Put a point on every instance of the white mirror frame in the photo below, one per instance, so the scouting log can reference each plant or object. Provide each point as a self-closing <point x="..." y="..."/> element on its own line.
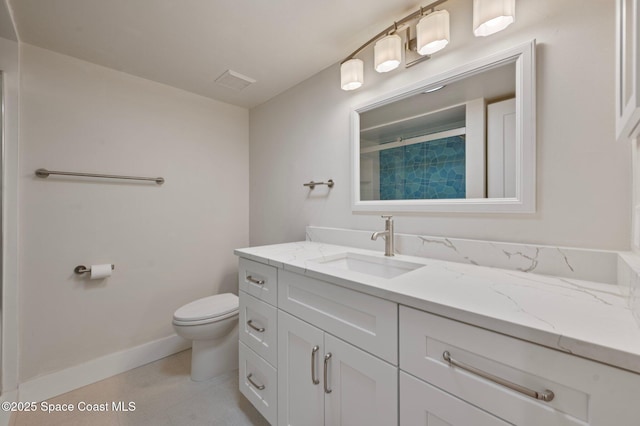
<point x="525" y="199"/>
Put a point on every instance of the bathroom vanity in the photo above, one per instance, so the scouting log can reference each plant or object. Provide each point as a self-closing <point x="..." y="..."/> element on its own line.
<point x="333" y="335"/>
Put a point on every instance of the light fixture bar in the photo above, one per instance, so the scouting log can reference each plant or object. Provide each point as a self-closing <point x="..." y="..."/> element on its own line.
<point x="395" y="26"/>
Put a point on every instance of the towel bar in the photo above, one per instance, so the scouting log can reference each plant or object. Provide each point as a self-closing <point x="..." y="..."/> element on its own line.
<point x="44" y="173"/>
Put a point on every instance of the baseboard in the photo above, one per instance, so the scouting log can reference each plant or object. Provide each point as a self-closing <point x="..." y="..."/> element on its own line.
<point x="5" y="416"/>
<point x="54" y="384"/>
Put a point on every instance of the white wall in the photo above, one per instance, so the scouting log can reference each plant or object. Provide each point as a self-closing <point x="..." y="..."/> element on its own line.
<point x="584" y="177"/>
<point x="10" y="67"/>
<point x="170" y="244"/>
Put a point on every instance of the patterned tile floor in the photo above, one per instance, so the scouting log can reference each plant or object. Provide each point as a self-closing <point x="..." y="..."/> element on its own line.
<point x="163" y="394"/>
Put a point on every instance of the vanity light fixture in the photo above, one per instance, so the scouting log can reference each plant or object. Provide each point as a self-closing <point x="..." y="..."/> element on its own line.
<point x="387" y="53"/>
<point x="433" y="32"/>
<point x="351" y="74"/>
<point x="432" y="35"/>
<point x="491" y="16"/>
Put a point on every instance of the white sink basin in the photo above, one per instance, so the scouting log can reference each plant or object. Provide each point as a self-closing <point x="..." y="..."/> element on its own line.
<point x="382" y="267"/>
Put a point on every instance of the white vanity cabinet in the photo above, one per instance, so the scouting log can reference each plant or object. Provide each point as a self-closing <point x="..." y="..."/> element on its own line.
<point x="323" y="380"/>
<point x="314" y="353"/>
<point x="485" y="368"/>
<point x="296" y="366"/>
<point x="327" y="374"/>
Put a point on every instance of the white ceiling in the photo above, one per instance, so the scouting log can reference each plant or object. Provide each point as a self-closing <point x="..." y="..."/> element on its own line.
<point x="189" y="43"/>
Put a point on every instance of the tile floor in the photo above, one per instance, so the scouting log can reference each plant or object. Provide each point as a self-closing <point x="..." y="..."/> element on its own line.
<point x="164" y="395"/>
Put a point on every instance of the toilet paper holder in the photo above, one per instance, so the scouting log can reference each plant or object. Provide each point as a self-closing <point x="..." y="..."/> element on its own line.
<point x="81" y="269"/>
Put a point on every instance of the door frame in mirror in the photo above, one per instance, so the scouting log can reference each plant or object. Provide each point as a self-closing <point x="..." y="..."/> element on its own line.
<point x="525" y="199"/>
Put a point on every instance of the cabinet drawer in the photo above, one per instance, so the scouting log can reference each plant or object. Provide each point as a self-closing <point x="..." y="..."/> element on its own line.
<point x="423" y="404"/>
<point x="259" y="327"/>
<point x="365" y="321"/>
<point x="585" y="392"/>
<point x="259" y="383"/>
<point x="258" y="280"/>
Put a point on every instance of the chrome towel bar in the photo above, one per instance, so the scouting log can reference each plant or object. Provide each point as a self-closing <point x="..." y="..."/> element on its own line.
<point x="43" y="173"/>
<point x="81" y="269"/>
<point x="313" y="184"/>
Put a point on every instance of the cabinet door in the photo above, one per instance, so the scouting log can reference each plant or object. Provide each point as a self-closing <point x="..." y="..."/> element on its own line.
<point x="301" y="401"/>
<point x="363" y="389"/>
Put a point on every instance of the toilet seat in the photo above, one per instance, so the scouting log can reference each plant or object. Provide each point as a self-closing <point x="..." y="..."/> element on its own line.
<point x="208" y="309"/>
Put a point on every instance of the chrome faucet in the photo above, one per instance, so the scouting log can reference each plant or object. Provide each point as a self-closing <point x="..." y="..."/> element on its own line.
<point x="387" y="234"/>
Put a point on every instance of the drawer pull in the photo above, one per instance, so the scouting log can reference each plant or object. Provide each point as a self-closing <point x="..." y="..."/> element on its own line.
<point x="327" y="357"/>
<point x="258" y="329"/>
<point x="314" y="379"/>
<point x="255" y="385"/>
<point x="253" y="280"/>
<point x="546" y="396"/>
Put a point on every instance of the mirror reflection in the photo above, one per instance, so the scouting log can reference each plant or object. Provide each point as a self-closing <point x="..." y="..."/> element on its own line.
<point x="453" y="141"/>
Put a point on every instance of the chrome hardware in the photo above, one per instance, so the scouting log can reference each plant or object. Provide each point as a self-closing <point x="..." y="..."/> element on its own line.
<point x="399" y="26"/>
<point x="258" y="329"/>
<point x="546" y="396"/>
<point x="44" y="173"/>
<point x="257" y="386"/>
<point x="314" y="380"/>
<point x="388" y="236"/>
<point x="81" y="269"/>
<point x="313" y="184"/>
<point x="327" y="357"/>
<point x="253" y="280"/>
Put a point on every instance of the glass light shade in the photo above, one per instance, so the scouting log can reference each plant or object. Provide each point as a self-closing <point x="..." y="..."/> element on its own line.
<point x="433" y="32"/>
<point x="491" y="16"/>
<point x="387" y="53"/>
<point x="351" y="74"/>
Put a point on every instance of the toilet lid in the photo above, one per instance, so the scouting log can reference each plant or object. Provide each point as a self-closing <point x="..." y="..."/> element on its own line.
<point x="207" y="307"/>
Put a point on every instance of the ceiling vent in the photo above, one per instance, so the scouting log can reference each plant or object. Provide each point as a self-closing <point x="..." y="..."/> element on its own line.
<point x="234" y="80"/>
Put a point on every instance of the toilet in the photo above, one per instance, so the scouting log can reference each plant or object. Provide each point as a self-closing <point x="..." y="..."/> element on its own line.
<point x="212" y="324"/>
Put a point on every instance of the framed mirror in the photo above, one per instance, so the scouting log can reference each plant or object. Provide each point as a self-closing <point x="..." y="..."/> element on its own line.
<point x="627" y="69"/>
<point x="461" y="141"/>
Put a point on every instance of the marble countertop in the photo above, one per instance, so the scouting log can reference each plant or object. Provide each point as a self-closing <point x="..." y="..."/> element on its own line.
<point x="584" y="318"/>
